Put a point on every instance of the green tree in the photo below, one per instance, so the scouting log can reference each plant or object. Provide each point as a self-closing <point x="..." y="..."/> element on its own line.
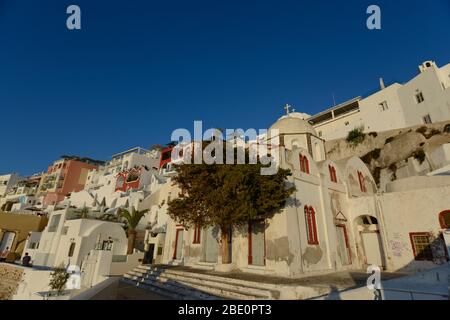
<point x="356" y="136"/>
<point x="58" y="279"/>
<point x="227" y="196"/>
<point x="132" y="218"/>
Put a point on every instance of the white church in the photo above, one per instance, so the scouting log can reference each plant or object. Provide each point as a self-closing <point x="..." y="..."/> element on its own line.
<point x="336" y="219"/>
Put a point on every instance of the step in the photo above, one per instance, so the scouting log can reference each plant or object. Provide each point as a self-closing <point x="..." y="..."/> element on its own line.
<point x="217" y="278"/>
<point x="217" y="288"/>
<point x="236" y="290"/>
<point x="168" y="290"/>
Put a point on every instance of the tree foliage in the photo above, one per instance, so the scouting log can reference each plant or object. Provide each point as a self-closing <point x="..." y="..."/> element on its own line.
<point x="58" y="279"/>
<point x="227" y="194"/>
<point x="132" y="218"/>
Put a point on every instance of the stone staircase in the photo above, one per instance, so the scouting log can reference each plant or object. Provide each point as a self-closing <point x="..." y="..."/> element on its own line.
<point x="189" y="285"/>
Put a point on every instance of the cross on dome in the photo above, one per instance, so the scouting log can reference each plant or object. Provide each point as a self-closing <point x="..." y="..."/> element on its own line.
<point x="287" y="107"/>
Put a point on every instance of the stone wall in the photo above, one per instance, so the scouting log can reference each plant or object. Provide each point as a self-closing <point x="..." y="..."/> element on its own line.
<point x="395" y="154"/>
<point x="10" y="278"/>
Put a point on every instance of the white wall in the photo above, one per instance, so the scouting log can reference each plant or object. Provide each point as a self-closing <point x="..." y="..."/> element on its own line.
<point x="403" y="111"/>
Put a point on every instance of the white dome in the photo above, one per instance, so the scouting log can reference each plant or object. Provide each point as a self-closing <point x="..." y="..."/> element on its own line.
<point x="293" y="123"/>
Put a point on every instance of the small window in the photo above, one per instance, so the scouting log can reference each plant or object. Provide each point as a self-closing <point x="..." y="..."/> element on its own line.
<point x="427" y="119"/>
<point x="384" y="106"/>
<point x="347" y="123"/>
<point x="71" y="249"/>
<point x="320" y="134"/>
<point x="419" y="98"/>
<point x="54" y="223"/>
<point x="421" y="245"/>
<point x="197" y="234"/>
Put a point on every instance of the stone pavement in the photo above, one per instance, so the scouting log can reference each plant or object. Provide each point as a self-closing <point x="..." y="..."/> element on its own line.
<point x="122" y="291"/>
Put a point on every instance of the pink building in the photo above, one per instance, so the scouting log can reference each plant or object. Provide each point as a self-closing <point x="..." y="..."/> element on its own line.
<point x="65" y="176"/>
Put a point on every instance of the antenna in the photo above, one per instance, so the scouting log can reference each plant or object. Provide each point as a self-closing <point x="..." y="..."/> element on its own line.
<point x="334" y="100"/>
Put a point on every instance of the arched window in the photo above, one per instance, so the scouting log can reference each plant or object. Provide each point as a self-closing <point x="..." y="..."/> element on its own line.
<point x="332" y="171"/>
<point x="311" y="227"/>
<point x="444" y="219"/>
<point x="304" y="164"/>
<point x="362" y="182"/>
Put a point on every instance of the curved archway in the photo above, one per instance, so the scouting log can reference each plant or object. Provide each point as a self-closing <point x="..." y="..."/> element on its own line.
<point x="369" y="242"/>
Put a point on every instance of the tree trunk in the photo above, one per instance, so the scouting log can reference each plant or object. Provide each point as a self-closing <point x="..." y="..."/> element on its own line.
<point x="131" y="240"/>
<point x="225" y="247"/>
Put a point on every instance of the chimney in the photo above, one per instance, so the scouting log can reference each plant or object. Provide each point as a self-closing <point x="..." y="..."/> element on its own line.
<point x="382" y="86"/>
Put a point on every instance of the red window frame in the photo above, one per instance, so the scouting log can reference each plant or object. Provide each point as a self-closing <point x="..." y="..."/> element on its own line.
<point x="333" y="176"/>
<point x="347" y="242"/>
<point x="362" y="182"/>
<point x="197" y="234"/>
<point x="424" y="256"/>
<point x="311" y="225"/>
<point x="304" y="164"/>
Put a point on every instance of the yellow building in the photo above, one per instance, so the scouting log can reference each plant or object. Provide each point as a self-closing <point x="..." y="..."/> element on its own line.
<point x="14" y="230"/>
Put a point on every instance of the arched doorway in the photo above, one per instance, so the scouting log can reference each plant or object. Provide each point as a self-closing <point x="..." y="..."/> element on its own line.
<point x="370" y="246"/>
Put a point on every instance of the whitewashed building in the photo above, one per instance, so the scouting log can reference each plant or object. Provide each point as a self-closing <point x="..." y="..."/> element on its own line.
<point x="7" y="182"/>
<point x="422" y="100"/>
<point x="336" y="220"/>
<point x="122" y="182"/>
<point x="67" y="239"/>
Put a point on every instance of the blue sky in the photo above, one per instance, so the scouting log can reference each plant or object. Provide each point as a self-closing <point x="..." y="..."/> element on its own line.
<point x="139" y="69"/>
